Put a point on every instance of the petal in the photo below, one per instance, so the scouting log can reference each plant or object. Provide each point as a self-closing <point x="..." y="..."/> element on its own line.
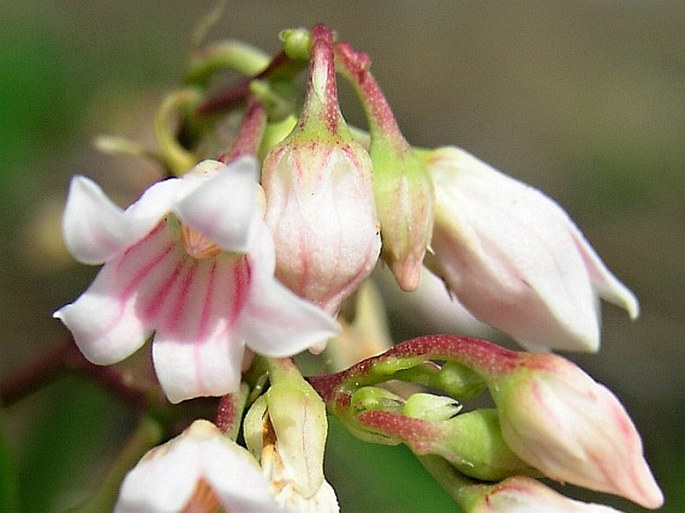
<point x="223" y="208"/>
<point x="521" y="494"/>
<point x="278" y="323"/>
<point x="236" y="478"/>
<point x="115" y="316"/>
<point x="603" y="280"/>
<point x="163" y="481"/>
<point x="94" y="228"/>
<point x="505" y="250"/>
<point x="166" y="477"/>
<point x="196" y="351"/>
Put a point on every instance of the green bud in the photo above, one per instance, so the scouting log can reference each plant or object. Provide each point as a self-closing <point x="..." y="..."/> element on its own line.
<point x="473" y="443"/>
<point x="430" y="407"/>
<point x="297" y="43"/>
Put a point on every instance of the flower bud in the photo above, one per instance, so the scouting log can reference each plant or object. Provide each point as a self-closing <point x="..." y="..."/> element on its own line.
<point x="561" y="421"/>
<point x="525" y="495"/>
<point x="514" y="259"/>
<point x="319" y="195"/>
<point x="403" y="188"/>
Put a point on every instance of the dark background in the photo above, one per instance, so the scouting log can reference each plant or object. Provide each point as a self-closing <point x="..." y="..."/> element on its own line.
<point x="585" y="100"/>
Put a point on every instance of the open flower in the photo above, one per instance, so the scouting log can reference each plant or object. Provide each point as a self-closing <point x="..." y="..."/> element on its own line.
<point x="200" y="470"/>
<point x="561" y="421"/>
<point x="193" y="261"/>
<point x="515" y="259"/>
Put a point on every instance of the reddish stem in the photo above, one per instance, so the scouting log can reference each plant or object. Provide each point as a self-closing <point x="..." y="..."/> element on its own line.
<point x="238" y="93"/>
<point x="483" y="357"/>
<point x="355" y="67"/>
<point x="62" y="358"/>
<point x="226" y="413"/>
<point x="250" y="134"/>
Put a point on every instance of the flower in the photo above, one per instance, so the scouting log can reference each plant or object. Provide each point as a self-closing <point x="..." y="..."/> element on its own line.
<point x="520" y="494"/>
<point x="193" y="261"/>
<point x="561" y="421"/>
<point x="319" y="195"/>
<point x="515" y="259"/>
<point x="200" y="470"/>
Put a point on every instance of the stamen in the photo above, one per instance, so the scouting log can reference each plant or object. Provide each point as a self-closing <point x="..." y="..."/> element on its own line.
<point x="204" y="500"/>
<point x="198" y="245"/>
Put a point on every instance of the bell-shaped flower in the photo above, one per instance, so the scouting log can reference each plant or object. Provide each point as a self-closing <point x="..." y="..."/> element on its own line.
<point x="521" y="494"/>
<point x="319" y="195"/>
<point x="193" y="262"/>
<point x="200" y="470"/>
<point x="573" y="429"/>
<point x="515" y="259"/>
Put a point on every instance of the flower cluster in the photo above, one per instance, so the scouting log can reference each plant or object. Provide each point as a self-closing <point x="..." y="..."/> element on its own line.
<point x="233" y="266"/>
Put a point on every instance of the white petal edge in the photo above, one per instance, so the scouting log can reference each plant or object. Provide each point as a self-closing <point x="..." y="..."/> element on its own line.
<point x="278" y="323"/>
<point x="224" y="207"/>
<point x="166" y="477"/>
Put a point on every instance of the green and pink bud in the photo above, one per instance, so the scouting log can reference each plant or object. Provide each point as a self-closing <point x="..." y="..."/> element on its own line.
<point x="402" y="185"/>
<point x="319" y="194"/>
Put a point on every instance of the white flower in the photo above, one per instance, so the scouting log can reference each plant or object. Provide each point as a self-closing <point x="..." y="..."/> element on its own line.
<point x="199" y="470"/>
<point x="193" y="261"/>
<point x="515" y="259"/>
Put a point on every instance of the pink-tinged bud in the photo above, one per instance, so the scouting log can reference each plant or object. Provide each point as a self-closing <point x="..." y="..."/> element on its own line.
<point x="521" y="494"/>
<point x="515" y="259"/>
<point x="319" y="195"/>
<point x="561" y="421"/>
<point x="403" y="188"/>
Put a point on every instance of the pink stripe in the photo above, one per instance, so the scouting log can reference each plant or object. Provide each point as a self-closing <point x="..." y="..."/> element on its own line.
<point x="241" y="283"/>
<point x="157" y="299"/>
<point x="144" y="270"/>
<point x="176" y="320"/>
<point x="207" y="301"/>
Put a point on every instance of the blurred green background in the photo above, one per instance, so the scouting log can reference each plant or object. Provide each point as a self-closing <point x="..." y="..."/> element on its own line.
<point x="585" y="100"/>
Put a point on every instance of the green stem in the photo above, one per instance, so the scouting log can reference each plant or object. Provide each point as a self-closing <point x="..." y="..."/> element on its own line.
<point x="281" y="369"/>
<point x="177" y="159"/>
<point x="234" y="55"/>
<point x="465" y="491"/>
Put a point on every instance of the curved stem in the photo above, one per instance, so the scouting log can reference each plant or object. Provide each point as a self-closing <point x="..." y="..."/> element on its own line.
<point x="235" y="55"/>
<point x="463" y="490"/>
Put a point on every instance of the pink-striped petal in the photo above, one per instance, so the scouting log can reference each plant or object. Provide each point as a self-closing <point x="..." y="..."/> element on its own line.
<point x="196" y="351"/>
<point x="110" y="320"/>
